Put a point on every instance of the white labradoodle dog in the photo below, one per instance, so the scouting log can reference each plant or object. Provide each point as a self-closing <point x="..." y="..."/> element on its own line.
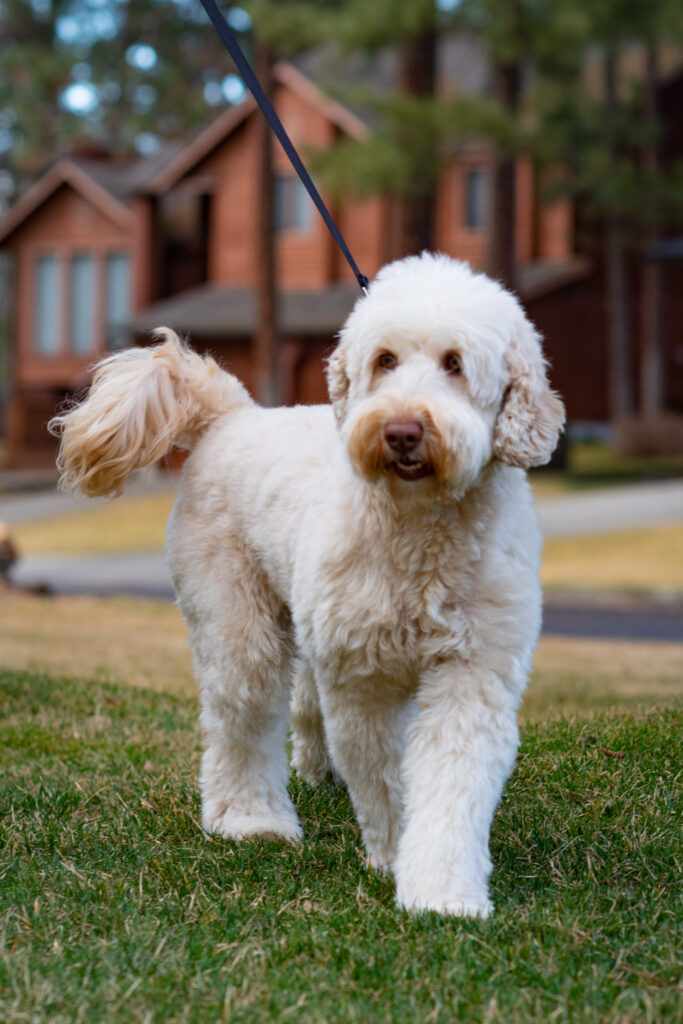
<point x="383" y="552"/>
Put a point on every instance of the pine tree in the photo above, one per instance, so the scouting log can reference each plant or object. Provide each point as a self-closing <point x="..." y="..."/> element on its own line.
<point x="414" y="126"/>
<point x="401" y="158"/>
<point x="144" y="70"/>
<point x="605" y="129"/>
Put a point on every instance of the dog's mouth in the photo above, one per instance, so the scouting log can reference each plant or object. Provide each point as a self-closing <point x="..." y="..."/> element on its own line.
<point x="409" y="469"/>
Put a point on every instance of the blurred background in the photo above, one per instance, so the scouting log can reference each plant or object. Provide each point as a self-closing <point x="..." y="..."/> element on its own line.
<point x="543" y="142"/>
<point x="140" y="185"/>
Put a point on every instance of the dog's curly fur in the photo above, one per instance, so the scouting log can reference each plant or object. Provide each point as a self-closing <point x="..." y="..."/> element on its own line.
<point x="382" y="552"/>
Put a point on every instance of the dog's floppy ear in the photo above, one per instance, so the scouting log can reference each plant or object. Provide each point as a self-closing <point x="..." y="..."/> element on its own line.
<point x="338" y="382"/>
<point x="532" y="415"/>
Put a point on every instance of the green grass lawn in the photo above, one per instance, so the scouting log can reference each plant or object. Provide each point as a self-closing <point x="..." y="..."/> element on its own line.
<point x="115" y="907"/>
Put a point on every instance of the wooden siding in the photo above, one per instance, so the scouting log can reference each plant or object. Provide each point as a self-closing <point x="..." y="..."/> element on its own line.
<point x="453" y="236"/>
<point x="67" y="225"/>
<point x="307" y="260"/>
<point x="554" y="231"/>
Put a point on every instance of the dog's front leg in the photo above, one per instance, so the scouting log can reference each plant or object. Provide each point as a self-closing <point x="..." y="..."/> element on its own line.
<point x="461" y="749"/>
<point x="366" y="728"/>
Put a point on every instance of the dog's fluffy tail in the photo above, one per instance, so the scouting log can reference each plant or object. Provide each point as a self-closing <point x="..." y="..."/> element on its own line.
<point x="142" y="401"/>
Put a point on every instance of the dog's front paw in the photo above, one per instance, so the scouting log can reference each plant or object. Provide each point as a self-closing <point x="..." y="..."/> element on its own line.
<point x="430" y="877"/>
<point x="419" y="888"/>
<point x="451" y="904"/>
<point x="233" y="824"/>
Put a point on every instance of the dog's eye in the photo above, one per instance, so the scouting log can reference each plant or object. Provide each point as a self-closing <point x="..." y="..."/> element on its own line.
<point x="452" y="363"/>
<point x="387" y="361"/>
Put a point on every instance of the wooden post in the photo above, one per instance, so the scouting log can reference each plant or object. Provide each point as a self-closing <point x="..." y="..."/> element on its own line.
<point x="652" y="354"/>
<point x="619" y="319"/>
<point x="418" y="78"/>
<point x="266" y="347"/>
<point x="501" y="262"/>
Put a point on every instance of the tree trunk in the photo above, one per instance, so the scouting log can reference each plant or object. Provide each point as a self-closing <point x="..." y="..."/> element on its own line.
<point x="501" y="261"/>
<point x="620" y="383"/>
<point x="652" y="354"/>
<point x="418" y="78"/>
<point x="266" y="346"/>
<point x="619" y="326"/>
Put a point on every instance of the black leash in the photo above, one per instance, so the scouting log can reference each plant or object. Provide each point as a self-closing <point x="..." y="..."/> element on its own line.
<point x="231" y="44"/>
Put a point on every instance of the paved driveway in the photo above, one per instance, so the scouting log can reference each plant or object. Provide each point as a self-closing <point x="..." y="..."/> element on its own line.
<point x="142" y="573"/>
<point x="22" y="506"/>
<point x="611" y="509"/>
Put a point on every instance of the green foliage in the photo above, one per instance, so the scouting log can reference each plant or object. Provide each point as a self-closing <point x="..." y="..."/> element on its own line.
<point x="543" y="31"/>
<point x="562" y="120"/>
<point x="603" y="148"/>
<point x="114" y="906"/>
<point x="572" y="134"/>
<point x="292" y="25"/>
<point x="398" y="158"/>
<point x="50" y="45"/>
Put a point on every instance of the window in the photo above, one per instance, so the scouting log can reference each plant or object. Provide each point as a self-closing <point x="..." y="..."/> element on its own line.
<point x="476" y="199"/>
<point x="48" y="306"/>
<point x="82" y="303"/>
<point x="293" y="205"/>
<point x="117" y="305"/>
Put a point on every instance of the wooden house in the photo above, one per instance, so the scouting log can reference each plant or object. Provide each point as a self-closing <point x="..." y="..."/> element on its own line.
<point x="105" y="251"/>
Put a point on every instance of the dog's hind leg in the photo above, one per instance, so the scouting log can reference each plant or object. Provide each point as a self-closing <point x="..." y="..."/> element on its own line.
<point x="310" y="754"/>
<point x="241" y="640"/>
<point x="366" y="729"/>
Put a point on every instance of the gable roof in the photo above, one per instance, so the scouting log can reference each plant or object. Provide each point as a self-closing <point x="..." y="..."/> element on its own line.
<point x="110" y="185"/>
<point x="126" y="178"/>
<point x="66" y="172"/>
<point x="221" y="127"/>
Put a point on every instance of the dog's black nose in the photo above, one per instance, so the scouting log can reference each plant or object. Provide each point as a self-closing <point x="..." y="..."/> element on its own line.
<point x="403" y="435"/>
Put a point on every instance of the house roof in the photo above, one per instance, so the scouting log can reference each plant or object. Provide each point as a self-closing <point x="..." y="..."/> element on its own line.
<point x="112" y="184"/>
<point x="214" y="310"/>
<point x="66" y="172"/>
<point x="125" y="179"/>
<point x="543" y="276"/>
<point x="222" y="126"/>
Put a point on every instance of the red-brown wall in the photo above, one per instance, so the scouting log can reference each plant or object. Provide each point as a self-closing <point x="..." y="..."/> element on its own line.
<point x="575" y="345"/>
<point x="309" y="260"/>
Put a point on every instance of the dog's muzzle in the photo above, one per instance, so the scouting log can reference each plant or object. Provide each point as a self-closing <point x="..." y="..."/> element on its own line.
<point x="404" y="441"/>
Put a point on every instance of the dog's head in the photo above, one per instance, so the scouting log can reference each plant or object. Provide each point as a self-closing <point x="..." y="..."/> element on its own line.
<point x="437" y="372"/>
